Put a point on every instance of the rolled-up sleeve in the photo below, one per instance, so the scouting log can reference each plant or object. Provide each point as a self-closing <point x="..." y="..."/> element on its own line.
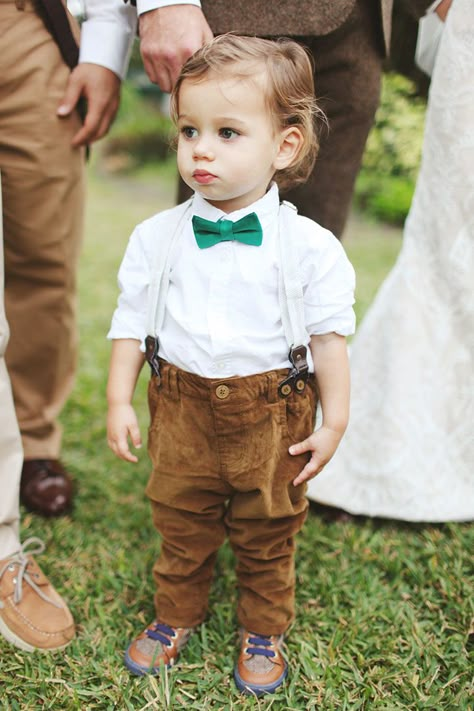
<point x="130" y="317"/>
<point x="329" y="280"/>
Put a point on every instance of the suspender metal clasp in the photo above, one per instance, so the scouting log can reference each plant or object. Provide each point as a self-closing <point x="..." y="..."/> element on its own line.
<point x="298" y="374"/>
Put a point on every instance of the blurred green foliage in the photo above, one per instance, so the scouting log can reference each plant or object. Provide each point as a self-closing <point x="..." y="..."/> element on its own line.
<point x="142" y="133"/>
<point x="392" y="157"/>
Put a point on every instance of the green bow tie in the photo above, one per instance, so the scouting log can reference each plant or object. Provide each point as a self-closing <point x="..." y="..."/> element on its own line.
<point x="247" y="230"/>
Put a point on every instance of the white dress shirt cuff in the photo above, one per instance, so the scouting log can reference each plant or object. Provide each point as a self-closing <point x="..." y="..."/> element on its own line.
<point x="148" y="5"/>
<point x="108" y="42"/>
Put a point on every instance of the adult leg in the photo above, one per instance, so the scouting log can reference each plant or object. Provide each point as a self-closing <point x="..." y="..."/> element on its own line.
<point x="43" y="184"/>
<point x="348" y="64"/>
<point x="43" y="189"/>
<point x="11" y="455"/>
<point x="32" y="614"/>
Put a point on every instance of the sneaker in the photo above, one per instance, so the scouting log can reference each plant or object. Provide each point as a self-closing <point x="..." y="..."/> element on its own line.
<point x="261" y="668"/>
<point x="157" y="645"/>
<point x="32" y="614"/>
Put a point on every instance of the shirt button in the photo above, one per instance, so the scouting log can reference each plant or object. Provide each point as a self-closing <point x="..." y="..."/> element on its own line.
<point x="222" y="391"/>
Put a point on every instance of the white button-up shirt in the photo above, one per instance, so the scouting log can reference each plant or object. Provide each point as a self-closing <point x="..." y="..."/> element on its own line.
<point x="223" y="315"/>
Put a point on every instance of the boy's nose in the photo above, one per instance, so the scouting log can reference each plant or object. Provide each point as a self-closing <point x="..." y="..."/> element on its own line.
<point x="203" y="149"/>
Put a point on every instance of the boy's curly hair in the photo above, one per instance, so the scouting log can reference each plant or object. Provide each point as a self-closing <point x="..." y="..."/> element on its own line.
<point x="288" y="87"/>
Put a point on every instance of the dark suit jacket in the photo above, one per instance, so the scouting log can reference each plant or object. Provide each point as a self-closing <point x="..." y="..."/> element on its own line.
<point x="406" y="14"/>
<point x="300" y="18"/>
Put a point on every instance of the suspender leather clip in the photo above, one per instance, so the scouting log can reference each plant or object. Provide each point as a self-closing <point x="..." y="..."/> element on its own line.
<point x="298" y="375"/>
<point x="151" y="354"/>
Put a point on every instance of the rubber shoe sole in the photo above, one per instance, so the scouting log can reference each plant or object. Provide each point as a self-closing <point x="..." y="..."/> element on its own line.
<point x="20" y="643"/>
<point x="138" y="670"/>
<point x="261" y="689"/>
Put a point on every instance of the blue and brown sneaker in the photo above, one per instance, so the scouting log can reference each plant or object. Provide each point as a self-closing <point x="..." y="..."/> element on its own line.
<point x="261" y="668"/>
<point x="157" y="645"/>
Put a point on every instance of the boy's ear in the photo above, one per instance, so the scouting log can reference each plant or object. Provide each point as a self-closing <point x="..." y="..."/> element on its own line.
<point x="291" y="140"/>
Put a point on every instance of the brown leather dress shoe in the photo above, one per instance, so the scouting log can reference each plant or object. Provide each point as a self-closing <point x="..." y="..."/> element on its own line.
<point x="46" y="488"/>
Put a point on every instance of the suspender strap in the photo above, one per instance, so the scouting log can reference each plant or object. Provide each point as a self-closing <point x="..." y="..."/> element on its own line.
<point x="160" y="279"/>
<point x="55" y="17"/>
<point x="291" y="304"/>
<point x="290" y="289"/>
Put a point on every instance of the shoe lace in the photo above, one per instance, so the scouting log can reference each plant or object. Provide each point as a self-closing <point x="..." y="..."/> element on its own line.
<point x="161" y="633"/>
<point x="32" y="546"/>
<point x="259" y="645"/>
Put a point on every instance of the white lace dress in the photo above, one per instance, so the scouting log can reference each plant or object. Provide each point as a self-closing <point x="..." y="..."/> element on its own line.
<point x="408" y="452"/>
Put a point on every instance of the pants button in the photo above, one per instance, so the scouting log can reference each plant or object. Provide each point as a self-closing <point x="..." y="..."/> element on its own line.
<point x="222" y="391"/>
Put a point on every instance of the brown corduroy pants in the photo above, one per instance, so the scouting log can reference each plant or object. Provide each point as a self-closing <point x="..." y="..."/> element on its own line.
<point x="219" y="450"/>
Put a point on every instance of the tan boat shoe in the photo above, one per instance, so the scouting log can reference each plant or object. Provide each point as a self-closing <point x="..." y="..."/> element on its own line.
<point x="158" y="645"/>
<point x="260" y="668"/>
<point x="32" y="614"/>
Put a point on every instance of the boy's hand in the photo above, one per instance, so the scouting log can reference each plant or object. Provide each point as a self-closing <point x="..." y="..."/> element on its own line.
<point x="443" y="9"/>
<point x="122" y="422"/>
<point x="322" y="443"/>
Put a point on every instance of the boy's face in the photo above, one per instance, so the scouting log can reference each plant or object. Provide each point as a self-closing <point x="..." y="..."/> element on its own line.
<point x="228" y="146"/>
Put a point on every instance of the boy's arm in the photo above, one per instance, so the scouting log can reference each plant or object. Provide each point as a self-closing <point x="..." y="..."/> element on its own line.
<point x="331" y="363"/>
<point x="126" y="363"/>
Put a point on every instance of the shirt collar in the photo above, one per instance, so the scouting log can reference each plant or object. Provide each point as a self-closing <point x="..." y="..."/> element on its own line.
<point x="264" y="207"/>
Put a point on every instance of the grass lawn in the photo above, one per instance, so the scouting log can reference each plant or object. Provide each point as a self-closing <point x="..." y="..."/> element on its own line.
<point x="385" y="608"/>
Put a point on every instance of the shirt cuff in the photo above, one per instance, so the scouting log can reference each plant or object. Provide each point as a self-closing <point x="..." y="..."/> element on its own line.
<point x="343" y="327"/>
<point x="113" y="52"/>
<point x="120" y="330"/>
<point x="148" y="5"/>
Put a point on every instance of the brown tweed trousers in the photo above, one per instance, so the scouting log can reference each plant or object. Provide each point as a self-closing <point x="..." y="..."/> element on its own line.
<point x="348" y="40"/>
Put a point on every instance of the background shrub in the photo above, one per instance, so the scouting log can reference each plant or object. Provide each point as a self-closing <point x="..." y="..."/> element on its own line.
<point x="392" y="157"/>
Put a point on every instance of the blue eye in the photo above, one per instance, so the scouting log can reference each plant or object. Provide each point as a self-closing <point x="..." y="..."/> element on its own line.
<point x="227" y="133"/>
<point x="189" y="132"/>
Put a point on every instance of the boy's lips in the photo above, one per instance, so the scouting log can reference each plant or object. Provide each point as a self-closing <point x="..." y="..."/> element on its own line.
<point x="203" y="177"/>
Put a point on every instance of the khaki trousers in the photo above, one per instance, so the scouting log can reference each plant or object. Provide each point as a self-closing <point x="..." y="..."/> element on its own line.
<point x="219" y="451"/>
<point x="43" y="192"/>
<point x="11" y="456"/>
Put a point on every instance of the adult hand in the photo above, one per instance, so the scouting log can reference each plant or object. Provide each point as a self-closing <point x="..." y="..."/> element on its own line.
<point x="442" y="9"/>
<point x="169" y="35"/>
<point x="100" y="87"/>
